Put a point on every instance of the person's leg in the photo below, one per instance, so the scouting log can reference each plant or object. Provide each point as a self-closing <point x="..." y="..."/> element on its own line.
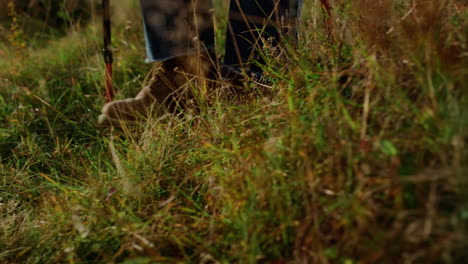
<point x="251" y="23"/>
<point x="178" y="33"/>
<point x="176" y="27"/>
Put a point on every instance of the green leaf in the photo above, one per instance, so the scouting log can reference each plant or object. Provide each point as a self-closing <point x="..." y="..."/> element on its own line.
<point x="464" y="214"/>
<point x="331" y="253"/>
<point x="388" y="148"/>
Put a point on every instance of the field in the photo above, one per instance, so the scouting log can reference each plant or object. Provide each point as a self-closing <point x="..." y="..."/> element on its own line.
<point x="352" y="151"/>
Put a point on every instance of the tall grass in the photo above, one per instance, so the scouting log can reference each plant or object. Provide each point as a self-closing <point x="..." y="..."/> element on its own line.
<point x="354" y="152"/>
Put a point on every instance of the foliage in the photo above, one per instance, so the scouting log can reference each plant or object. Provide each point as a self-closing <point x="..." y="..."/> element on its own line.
<point x="352" y="151"/>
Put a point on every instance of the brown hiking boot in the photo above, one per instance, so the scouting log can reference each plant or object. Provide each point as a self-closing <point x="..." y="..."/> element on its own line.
<point x="170" y="86"/>
<point x="127" y="111"/>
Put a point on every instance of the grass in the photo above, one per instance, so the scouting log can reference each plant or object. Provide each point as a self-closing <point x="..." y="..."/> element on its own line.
<point x="354" y="154"/>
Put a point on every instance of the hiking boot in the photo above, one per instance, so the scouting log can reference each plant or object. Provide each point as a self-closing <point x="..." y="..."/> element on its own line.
<point x="127" y="111"/>
<point x="167" y="89"/>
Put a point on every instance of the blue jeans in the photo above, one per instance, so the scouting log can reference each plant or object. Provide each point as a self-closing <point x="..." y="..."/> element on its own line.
<point x="179" y="27"/>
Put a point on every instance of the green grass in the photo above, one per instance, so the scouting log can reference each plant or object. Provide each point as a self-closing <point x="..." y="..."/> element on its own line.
<point x="354" y="154"/>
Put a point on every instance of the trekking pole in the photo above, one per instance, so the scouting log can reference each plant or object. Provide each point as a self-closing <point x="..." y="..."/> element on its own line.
<point x="107" y="52"/>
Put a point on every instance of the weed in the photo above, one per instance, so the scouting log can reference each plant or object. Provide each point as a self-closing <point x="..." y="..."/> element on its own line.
<point x="352" y="152"/>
